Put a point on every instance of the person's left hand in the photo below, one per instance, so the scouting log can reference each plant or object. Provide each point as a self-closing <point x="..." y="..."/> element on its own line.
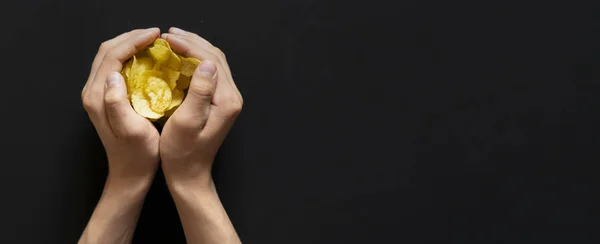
<point x="130" y="140"/>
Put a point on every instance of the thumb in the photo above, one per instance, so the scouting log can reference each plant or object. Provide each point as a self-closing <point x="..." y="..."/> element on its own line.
<point x="195" y="108"/>
<point x="118" y="109"/>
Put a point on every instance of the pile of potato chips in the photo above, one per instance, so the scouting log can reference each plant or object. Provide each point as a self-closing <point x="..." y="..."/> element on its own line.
<point x="157" y="79"/>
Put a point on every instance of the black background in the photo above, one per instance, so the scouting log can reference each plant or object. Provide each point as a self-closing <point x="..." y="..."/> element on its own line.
<point x="364" y="121"/>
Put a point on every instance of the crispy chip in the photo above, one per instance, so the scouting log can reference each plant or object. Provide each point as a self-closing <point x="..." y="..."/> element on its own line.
<point x="160" y="54"/>
<point x="141" y="79"/>
<point x="156" y="79"/>
<point x="170" y="76"/>
<point x="127" y="69"/>
<point x="177" y="99"/>
<point x="126" y="73"/>
<point x="188" y="66"/>
<point x="174" y="62"/>
<point x="142" y="106"/>
<point x="158" y="93"/>
<point x="162" y="42"/>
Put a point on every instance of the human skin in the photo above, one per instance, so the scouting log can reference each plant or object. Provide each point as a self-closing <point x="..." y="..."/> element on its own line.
<point x="186" y="147"/>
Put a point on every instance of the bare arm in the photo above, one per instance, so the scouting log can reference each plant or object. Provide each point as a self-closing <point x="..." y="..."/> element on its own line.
<point x="116" y="214"/>
<point x="202" y="215"/>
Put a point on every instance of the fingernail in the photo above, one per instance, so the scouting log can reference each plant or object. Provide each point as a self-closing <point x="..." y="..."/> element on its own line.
<point x="176" y="30"/>
<point x="164" y="36"/>
<point x="152" y="29"/>
<point x="113" y="80"/>
<point x="207" y="69"/>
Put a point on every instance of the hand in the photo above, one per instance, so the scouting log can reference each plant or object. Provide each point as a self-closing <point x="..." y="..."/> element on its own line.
<point x="130" y="141"/>
<point x="191" y="137"/>
<point x="193" y="134"/>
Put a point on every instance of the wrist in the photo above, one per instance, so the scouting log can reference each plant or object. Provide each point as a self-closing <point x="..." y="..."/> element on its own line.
<point x="187" y="173"/>
<point x="133" y="188"/>
<point x="184" y="185"/>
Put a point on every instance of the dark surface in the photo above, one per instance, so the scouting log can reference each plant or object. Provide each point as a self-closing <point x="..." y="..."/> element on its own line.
<point x="445" y="122"/>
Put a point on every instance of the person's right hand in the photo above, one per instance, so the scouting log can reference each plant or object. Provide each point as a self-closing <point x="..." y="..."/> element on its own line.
<point x="193" y="134"/>
<point x="191" y="137"/>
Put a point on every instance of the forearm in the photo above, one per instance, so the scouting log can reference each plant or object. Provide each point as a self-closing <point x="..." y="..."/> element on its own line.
<point x="116" y="214"/>
<point x="203" y="217"/>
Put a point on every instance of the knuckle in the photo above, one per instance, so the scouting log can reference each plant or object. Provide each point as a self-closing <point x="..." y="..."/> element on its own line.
<point x="241" y="99"/>
<point x="83" y="95"/>
<point x="110" y="55"/>
<point x="195" y="36"/>
<point x="220" y="53"/>
<point x="87" y="103"/>
<point x="104" y="46"/>
<point x="201" y="90"/>
<point x="234" y="107"/>
<point x="111" y="99"/>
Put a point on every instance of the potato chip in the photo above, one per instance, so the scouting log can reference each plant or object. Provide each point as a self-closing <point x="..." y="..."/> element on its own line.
<point x="142" y="106"/>
<point x="144" y="63"/>
<point x="188" y="66"/>
<point x="156" y="78"/>
<point x="158" y="93"/>
<point x="162" y="42"/>
<point x="174" y="62"/>
<point x="177" y="99"/>
<point x="126" y="73"/>
<point x="127" y="69"/>
<point x="170" y="76"/>
<point x="160" y="54"/>
<point x="141" y="79"/>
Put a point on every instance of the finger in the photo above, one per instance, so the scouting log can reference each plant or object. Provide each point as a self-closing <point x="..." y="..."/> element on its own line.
<point x="114" y="58"/>
<point x="225" y="89"/>
<point x="121" y="117"/>
<point x="177" y="31"/>
<point x="104" y="47"/>
<point x="212" y="53"/>
<point x="193" y="112"/>
<point x="215" y="53"/>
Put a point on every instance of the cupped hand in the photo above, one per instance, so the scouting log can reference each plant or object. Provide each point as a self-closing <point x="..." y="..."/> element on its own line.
<point x="131" y="141"/>
<point x="192" y="136"/>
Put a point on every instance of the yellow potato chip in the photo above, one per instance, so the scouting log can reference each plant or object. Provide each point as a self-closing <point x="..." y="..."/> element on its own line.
<point x="162" y="42"/>
<point x="156" y="79"/>
<point x="177" y="99"/>
<point x="188" y="66"/>
<point x="174" y="62"/>
<point x="158" y="93"/>
<point x="170" y="76"/>
<point x="126" y="75"/>
<point x="183" y="82"/>
<point x="140" y="65"/>
<point x="141" y="79"/>
<point x="142" y="106"/>
<point x="127" y="69"/>
<point x="160" y="54"/>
